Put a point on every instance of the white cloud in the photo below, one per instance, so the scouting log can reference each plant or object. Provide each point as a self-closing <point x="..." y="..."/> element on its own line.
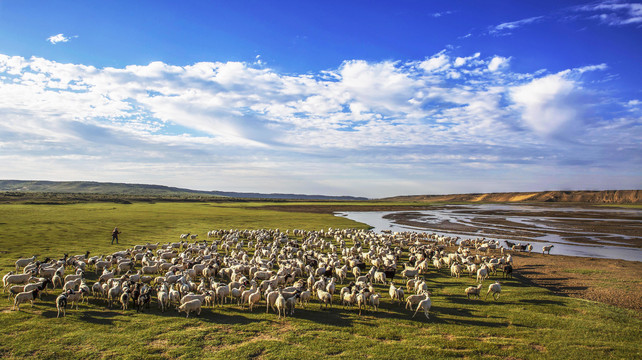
<point x="506" y="28"/>
<point x="54" y="39"/>
<point x="363" y="115"/>
<point x="614" y="13"/>
<point x="435" y="63"/>
<point x="498" y="62"/>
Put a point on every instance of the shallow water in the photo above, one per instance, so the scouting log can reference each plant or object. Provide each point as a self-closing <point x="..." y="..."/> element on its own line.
<point x="464" y="214"/>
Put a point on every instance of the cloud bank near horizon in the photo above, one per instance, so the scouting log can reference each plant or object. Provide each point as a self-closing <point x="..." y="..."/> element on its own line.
<point x="441" y="124"/>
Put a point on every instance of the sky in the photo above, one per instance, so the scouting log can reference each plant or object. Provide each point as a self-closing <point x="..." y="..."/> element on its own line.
<point x="362" y="98"/>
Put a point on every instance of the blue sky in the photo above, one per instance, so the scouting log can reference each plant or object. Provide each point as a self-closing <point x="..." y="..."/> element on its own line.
<point x="359" y="98"/>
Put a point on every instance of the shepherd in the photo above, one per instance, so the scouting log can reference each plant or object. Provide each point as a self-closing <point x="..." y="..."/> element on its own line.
<point x="114" y="235"/>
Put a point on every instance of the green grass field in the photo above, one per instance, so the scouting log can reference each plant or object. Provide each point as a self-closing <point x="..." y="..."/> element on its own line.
<point x="527" y="322"/>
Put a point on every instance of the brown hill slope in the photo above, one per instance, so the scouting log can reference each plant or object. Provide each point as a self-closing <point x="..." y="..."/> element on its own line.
<point x="591" y="197"/>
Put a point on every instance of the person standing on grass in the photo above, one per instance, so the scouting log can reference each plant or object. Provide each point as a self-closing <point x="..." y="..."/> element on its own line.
<point x="114" y="235"/>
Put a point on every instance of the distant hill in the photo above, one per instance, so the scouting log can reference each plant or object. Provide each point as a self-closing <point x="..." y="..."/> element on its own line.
<point x="591" y="197"/>
<point x="92" y="187"/>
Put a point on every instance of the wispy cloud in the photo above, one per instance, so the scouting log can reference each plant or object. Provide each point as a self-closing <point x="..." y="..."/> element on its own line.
<point x="507" y="27"/>
<point x="614" y="13"/>
<point x="233" y="122"/>
<point x="442" y="13"/>
<point x="55" y="39"/>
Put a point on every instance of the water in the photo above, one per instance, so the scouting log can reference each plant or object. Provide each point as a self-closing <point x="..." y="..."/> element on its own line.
<point x="606" y="247"/>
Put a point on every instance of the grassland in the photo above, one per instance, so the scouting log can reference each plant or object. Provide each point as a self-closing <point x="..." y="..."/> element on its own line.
<point x="527" y="322"/>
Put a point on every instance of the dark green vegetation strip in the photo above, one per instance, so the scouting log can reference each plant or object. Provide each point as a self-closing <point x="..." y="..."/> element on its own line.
<point x="527" y="322"/>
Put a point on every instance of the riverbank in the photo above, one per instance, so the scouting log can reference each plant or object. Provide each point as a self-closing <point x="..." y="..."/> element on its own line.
<point x="610" y="281"/>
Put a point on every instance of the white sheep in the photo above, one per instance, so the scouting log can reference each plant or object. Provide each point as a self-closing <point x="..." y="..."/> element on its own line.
<point x="254" y="298"/>
<point x="495" y="288"/>
<point x="280" y="304"/>
<point x="324" y="298"/>
<point x="473" y="290"/>
<point x="15" y="279"/>
<point x="24" y="262"/>
<point x="191" y="306"/>
<point x="374" y="301"/>
<point x="547" y="249"/>
<point x="425" y="306"/>
<point x="413" y="300"/>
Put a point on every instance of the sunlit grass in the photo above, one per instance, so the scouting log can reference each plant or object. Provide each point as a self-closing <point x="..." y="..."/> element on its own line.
<point x="526" y="322"/>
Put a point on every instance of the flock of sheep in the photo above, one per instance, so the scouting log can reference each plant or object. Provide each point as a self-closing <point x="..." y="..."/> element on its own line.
<point x="284" y="269"/>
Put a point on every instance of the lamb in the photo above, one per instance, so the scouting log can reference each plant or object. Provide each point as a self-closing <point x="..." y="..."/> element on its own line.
<point x="473" y="290"/>
<point x="24" y="297"/>
<point x="547" y="249"/>
<point x="24" y="262"/>
<point x="425" y="305"/>
<point x="495" y="289"/>
<point x="191" y="306"/>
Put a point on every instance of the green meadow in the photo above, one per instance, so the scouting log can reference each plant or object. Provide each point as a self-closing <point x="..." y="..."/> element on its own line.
<point x="527" y="322"/>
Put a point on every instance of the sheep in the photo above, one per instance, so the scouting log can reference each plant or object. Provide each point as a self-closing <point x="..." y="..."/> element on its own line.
<point x="15" y="279"/>
<point x="254" y="298"/>
<point x="184" y="236"/>
<point x="74" y="297"/>
<point x="413" y="300"/>
<point x="163" y="300"/>
<point x="24" y="262"/>
<point x="324" y="298"/>
<point x="425" y="305"/>
<point x="482" y="274"/>
<point x="374" y="301"/>
<point x="290" y="303"/>
<point x="380" y="277"/>
<point x="191" y="306"/>
<point x="305" y="297"/>
<point x="361" y="300"/>
<point x="24" y="297"/>
<point x="193" y="237"/>
<point x="280" y="303"/>
<point x="508" y="271"/>
<point x="495" y="289"/>
<point x="455" y="270"/>
<point x="473" y="290"/>
<point x="124" y="299"/>
<point x="61" y="304"/>
<point x="395" y="293"/>
<point x="547" y="249"/>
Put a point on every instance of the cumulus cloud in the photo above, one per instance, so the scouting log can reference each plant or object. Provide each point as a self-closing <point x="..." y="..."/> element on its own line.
<point x="366" y="116"/>
<point x="54" y="39"/>
<point x="497" y="62"/>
